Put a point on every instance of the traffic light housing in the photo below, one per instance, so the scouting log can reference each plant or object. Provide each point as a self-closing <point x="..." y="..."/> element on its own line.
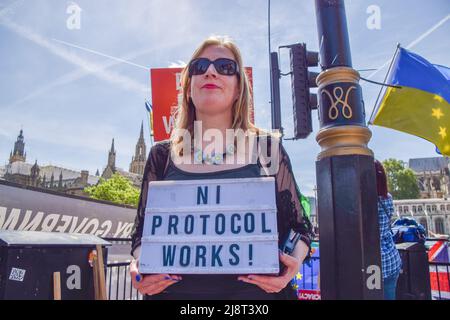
<point x="301" y="81"/>
<point x="275" y="92"/>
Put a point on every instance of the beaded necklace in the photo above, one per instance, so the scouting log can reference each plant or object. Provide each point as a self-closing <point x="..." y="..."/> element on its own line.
<point x="212" y="158"/>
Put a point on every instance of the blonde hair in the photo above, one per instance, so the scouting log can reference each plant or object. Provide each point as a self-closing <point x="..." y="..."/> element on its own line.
<point x="185" y="114"/>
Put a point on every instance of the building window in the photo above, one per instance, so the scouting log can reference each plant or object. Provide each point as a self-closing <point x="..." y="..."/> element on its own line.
<point x="421" y="183"/>
<point x="414" y="209"/>
<point x="420" y="208"/>
<point x="436" y="184"/>
<point x="406" y="209"/>
<point x="423" y="222"/>
<point x="428" y="208"/>
<point x="442" y="207"/>
<point x="400" y="209"/>
<point x="448" y="207"/>
<point x="439" y="225"/>
<point x="433" y="207"/>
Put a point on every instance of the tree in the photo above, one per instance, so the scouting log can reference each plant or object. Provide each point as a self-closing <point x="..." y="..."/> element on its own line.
<point x="402" y="183"/>
<point x="117" y="189"/>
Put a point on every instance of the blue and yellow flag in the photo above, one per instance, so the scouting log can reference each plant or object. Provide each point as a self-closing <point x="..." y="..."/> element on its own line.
<point x="149" y="108"/>
<point x="420" y="102"/>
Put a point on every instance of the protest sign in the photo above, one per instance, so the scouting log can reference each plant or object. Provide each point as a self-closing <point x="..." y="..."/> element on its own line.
<point x="215" y="226"/>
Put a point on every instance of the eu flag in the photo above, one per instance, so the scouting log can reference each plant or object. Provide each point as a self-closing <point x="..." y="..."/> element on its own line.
<point x="419" y="104"/>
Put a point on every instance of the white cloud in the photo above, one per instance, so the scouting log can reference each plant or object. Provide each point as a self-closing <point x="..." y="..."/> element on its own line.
<point x="178" y="64"/>
<point x="79" y="74"/>
<point x="122" y="81"/>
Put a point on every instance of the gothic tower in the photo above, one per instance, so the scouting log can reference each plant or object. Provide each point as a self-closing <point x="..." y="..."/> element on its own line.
<point x="60" y="183"/>
<point x="140" y="156"/>
<point x="112" y="157"/>
<point x="19" y="150"/>
<point x="34" y="175"/>
<point x="111" y="165"/>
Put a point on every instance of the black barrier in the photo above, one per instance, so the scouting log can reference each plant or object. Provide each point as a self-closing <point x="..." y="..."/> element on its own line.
<point x="414" y="279"/>
<point x="25" y="208"/>
<point x="28" y="260"/>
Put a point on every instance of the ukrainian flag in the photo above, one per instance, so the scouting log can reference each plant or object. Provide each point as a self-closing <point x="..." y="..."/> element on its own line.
<point x="419" y="104"/>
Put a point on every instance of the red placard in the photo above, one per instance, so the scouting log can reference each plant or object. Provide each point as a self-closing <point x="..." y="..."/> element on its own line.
<point x="167" y="95"/>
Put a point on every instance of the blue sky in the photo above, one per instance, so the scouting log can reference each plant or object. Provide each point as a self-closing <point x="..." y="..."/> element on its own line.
<point x="71" y="102"/>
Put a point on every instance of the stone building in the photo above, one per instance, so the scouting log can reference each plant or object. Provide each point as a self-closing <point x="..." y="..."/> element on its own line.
<point x="19" y="153"/>
<point x="66" y="180"/>
<point x="111" y="168"/>
<point x="139" y="159"/>
<point x="137" y="164"/>
<point x="432" y="210"/>
<point x="49" y="176"/>
<point x="433" y="176"/>
<point x="433" y="214"/>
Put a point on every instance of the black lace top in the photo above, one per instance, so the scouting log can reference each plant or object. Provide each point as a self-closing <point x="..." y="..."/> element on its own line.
<point x="290" y="214"/>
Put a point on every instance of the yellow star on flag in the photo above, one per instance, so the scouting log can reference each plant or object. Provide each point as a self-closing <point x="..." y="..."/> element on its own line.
<point x="443" y="132"/>
<point x="299" y="276"/>
<point x="438" y="98"/>
<point x="295" y="286"/>
<point x="437" y="113"/>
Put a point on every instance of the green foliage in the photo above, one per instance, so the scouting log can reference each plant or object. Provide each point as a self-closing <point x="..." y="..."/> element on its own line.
<point x="402" y="183"/>
<point x="306" y="205"/>
<point x="117" y="189"/>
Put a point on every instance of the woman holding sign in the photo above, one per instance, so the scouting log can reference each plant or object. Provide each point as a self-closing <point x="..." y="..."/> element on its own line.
<point x="217" y="99"/>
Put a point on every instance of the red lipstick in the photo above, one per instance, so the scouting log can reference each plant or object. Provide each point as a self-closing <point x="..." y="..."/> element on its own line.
<point x="210" y="86"/>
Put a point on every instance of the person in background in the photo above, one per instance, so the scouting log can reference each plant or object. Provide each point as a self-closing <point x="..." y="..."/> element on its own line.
<point x="390" y="258"/>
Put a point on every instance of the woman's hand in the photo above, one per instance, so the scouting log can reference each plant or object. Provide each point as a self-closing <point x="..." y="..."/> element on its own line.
<point x="150" y="284"/>
<point x="273" y="284"/>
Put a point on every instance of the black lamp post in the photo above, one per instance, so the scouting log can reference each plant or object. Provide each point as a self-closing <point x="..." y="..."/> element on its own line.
<point x="350" y="261"/>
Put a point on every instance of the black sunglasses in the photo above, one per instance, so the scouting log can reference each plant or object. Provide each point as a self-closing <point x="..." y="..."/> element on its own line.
<point x="223" y="66"/>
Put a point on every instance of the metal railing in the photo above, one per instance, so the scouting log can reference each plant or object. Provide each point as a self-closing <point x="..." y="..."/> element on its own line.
<point x="119" y="286"/>
<point x="118" y="282"/>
